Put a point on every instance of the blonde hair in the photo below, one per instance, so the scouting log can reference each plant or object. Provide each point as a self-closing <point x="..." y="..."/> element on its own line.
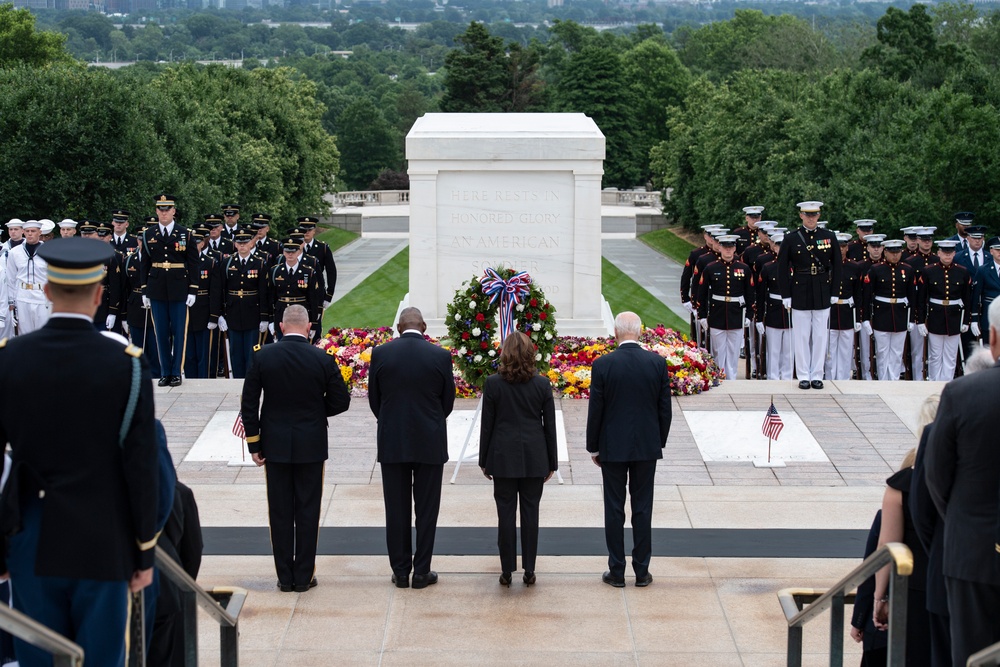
<point x="909" y="459"/>
<point x="928" y="411"/>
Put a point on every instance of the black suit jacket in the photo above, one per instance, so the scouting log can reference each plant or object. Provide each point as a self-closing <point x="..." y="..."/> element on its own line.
<point x="411" y="391"/>
<point x="629" y="414"/>
<point x="517" y="435"/>
<point x="963" y="474"/>
<point x="100" y="498"/>
<point x="929" y="528"/>
<point x="302" y="386"/>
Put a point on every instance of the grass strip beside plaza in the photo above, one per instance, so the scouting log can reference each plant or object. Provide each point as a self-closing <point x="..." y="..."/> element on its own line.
<point x="623" y="293"/>
<point x="336" y="237"/>
<point x="666" y="242"/>
<point x="374" y="301"/>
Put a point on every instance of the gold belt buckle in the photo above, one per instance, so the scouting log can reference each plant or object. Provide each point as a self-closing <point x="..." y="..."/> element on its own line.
<point x="945" y="302"/>
<point x="812" y="270"/>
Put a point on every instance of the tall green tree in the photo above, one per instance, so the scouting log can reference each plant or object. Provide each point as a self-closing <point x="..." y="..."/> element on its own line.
<point x="21" y="44"/>
<point x="476" y="79"/>
<point x="367" y="142"/>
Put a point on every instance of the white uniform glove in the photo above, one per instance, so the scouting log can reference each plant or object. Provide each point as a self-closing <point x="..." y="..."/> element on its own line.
<point x="909" y="326"/>
<point x="922" y="328"/>
<point x="125" y="327"/>
<point x="746" y="322"/>
<point x="704" y="323"/>
<point x="212" y="326"/>
<point x="145" y="302"/>
<point x="688" y="306"/>
<point x="190" y="300"/>
<point x="866" y="326"/>
<point x="857" y="326"/>
<point x="760" y="328"/>
<point x="963" y="328"/>
<point x="975" y="330"/>
<point x="223" y="325"/>
<point x="787" y="303"/>
<point x="270" y="327"/>
<point x="263" y="327"/>
<point x="834" y="300"/>
<point x="326" y="304"/>
<point x="109" y="323"/>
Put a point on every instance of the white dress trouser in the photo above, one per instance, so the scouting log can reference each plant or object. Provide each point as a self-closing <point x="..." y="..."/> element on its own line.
<point x="841" y="356"/>
<point x="811" y="332"/>
<point x="779" y="354"/>
<point x="917" y="353"/>
<point x="751" y="357"/>
<point x="865" y="343"/>
<point x="32" y="315"/>
<point x="942" y="353"/>
<point x="889" y="354"/>
<point x="726" y="349"/>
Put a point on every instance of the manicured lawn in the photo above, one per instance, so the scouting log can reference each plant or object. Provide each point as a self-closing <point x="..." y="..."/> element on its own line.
<point x="623" y="293"/>
<point x="373" y="303"/>
<point x="669" y="244"/>
<point x="336" y="237"/>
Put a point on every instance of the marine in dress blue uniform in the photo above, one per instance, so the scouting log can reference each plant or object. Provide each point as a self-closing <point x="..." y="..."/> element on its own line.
<point x="726" y="296"/>
<point x="845" y="320"/>
<point x="856" y="247"/>
<point x="923" y="257"/>
<point x="944" y="299"/>
<point x="169" y="268"/>
<point x="888" y="301"/>
<point x="686" y="279"/>
<point x="773" y="324"/>
<point x="79" y="509"/>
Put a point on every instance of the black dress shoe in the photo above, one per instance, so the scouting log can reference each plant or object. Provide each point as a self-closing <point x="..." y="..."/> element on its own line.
<point x="163" y="381"/>
<point x="817" y="384"/>
<point x="425" y="580"/>
<point x="617" y="582"/>
<point x="528" y="578"/>
<point x="175" y="381"/>
<point x="285" y="588"/>
<point x="642" y="582"/>
<point x="401" y="581"/>
<point x="803" y="384"/>
<point x="505" y="579"/>
<point x="302" y="589"/>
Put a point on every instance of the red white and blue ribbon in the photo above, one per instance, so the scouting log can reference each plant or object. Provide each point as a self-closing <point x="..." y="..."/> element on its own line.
<point x="510" y="293"/>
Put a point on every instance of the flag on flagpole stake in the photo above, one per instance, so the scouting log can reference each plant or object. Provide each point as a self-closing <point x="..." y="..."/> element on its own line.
<point x="240" y="433"/>
<point x="772" y="423"/>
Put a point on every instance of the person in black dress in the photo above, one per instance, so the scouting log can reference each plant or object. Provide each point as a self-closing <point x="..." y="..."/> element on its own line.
<point x="517" y="449"/>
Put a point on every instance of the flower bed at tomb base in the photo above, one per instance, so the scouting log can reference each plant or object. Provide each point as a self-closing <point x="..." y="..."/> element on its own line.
<point x="692" y="369"/>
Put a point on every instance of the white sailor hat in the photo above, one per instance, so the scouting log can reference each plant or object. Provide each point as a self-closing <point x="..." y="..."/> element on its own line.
<point x="753" y="210"/>
<point x="926" y="231"/>
<point x="32" y="224"/>
<point x="874" y="239"/>
<point x="810" y="206"/>
<point x="67" y="222"/>
<point x="15" y="222"/>
<point x="893" y="244"/>
<point x="947" y="245"/>
<point x="47" y="226"/>
<point x="842" y="237"/>
<point x="728" y="239"/>
<point x="865" y="223"/>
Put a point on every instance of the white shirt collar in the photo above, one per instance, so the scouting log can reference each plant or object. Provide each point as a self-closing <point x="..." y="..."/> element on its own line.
<point x="627" y="342"/>
<point x="416" y="331"/>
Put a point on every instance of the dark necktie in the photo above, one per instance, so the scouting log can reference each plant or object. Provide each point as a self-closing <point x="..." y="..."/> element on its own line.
<point x="163" y="232"/>
<point x="975" y="261"/>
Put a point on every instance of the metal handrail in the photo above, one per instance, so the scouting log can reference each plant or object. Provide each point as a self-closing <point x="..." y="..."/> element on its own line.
<point x="223" y="604"/>
<point x="792" y="600"/>
<point x="65" y="653"/>
<point x="987" y="657"/>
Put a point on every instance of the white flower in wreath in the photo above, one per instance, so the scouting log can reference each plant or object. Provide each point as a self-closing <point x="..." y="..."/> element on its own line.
<point x="458" y="317"/>
<point x="472" y="304"/>
<point x="548" y="335"/>
<point x="477" y="358"/>
<point x="536" y="327"/>
<point x="476" y="331"/>
<point x="492" y="353"/>
<point x="462" y="351"/>
<point x="538" y="357"/>
<point x="548" y="357"/>
<point x="519" y="307"/>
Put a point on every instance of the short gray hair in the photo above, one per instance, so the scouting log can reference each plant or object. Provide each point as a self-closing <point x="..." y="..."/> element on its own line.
<point x="979" y="360"/>
<point x="628" y="323"/>
<point x="296" y="316"/>
<point x="994" y="316"/>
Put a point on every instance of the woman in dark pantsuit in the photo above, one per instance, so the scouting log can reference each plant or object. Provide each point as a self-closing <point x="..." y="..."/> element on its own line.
<point x="517" y="449"/>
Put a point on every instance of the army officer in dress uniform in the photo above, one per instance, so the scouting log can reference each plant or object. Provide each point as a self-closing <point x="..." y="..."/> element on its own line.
<point x="726" y="297"/>
<point x="944" y="299"/>
<point x="809" y="267"/>
<point x="246" y="304"/>
<point x="889" y="295"/>
<point x="123" y="242"/>
<point x="203" y="316"/>
<point x="81" y="499"/>
<point x="290" y="282"/>
<point x="136" y="321"/>
<point x="324" y="258"/>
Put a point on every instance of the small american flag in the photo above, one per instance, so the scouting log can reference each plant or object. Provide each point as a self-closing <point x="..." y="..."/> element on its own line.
<point x="772" y="423"/>
<point x="238" y="426"/>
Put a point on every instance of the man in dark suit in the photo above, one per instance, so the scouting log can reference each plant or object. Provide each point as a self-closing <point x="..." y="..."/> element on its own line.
<point x="302" y="386"/>
<point x="411" y="391"/>
<point x="627" y="426"/>
<point x="80" y="505"/>
<point x="963" y="474"/>
<point x="985" y="288"/>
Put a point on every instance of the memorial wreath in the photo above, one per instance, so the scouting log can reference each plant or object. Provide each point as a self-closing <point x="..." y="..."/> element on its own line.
<point x="475" y="332"/>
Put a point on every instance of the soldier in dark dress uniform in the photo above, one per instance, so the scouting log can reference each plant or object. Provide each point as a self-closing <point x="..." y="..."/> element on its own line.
<point x="218" y="244"/>
<point x="963" y="220"/>
<point x="726" y="296"/>
<point x="268" y="248"/>
<point x="889" y="295"/>
<point x="203" y="316"/>
<point x="246" y="310"/>
<point x="985" y="288"/>
<point x="80" y="504"/>
<point x="809" y="269"/>
<point x="122" y="240"/>
<point x="845" y="318"/>
<point x="169" y="267"/>
<point x="748" y="234"/>
<point x="108" y="313"/>
<point x="290" y="282"/>
<point x="944" y="310"/>
<point x="856" y="247"/>
<point x="910" y="238"/>
<point x="924" y="256"/>
<point x="231" y="220"/>
<point x="686" y="283"/>
<point x="773" y="321"/>
<point x="136" y="322"/>
<point x="324" y="258"/>
<point x="873" y="255"/>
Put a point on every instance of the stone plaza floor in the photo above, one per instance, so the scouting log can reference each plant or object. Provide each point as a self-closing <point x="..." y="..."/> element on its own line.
<point x="730" y="535"/>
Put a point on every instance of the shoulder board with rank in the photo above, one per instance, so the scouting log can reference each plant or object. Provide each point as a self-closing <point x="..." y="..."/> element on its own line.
<point x="133" y="351"/>
<point x="256" y="348"/>
<point x="332" y="351"/>
<point x="3" y="343"/>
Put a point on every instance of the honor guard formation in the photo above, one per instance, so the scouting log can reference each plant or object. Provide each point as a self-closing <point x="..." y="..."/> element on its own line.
<point x="815" y="304"/>
<point x="196" y="299"/>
